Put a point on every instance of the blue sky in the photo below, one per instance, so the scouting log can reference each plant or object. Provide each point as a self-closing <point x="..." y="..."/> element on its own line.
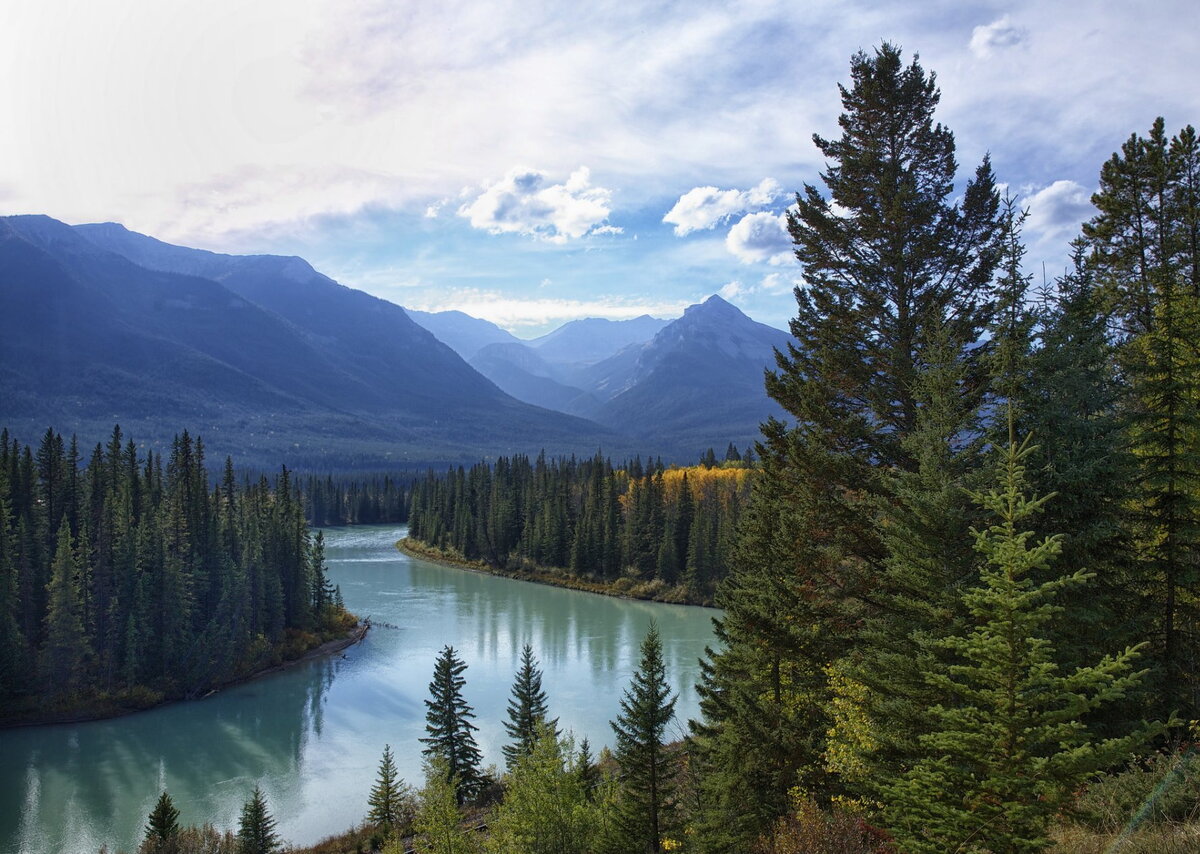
<point x="533" y="162"/>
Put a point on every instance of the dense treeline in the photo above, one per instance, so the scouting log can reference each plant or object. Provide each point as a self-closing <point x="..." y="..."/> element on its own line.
<point x="127" y="579"/>
<point x="967" y="573"/>
<point x="647" y="523"/>
<point x="335" y="500"/>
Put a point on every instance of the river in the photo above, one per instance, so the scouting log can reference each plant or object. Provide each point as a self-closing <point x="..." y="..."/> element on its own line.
<point x="311" y="736"/>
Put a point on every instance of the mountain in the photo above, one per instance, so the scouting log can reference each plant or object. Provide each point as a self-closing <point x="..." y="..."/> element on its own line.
<point x="554" y="370"/>
<point x="265" y="357"/>
<point x="593" y="339"/>
<point x="520" y="370"/>
<point x="464" y="334"/>
<point x="697" y="383"/>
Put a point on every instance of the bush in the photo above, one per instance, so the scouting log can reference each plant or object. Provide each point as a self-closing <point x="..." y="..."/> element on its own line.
<point x="1160" y="789"/>
<point x="811" y="830"/>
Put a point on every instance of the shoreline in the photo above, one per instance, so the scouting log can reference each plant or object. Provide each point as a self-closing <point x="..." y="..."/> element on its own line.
<point x="550" y="577"/>
<point x="323" y="650"/>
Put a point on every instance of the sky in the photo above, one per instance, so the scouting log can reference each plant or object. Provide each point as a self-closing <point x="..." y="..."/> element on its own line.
<point x="533" y="162"/>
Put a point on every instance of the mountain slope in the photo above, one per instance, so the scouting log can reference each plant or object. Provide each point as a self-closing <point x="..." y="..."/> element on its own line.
<point x="593" y="339"/>
<point x="520" y="371"/>
<point x="698" y="382"/>
<point x="268" y="359"/>
<point x="464" y="334"/>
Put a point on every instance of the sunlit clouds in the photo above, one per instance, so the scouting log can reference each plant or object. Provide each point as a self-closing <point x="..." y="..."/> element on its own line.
<point x="646" y="151"/>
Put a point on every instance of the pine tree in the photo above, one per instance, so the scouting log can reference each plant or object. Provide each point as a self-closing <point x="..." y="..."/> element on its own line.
<point x="1006" y="755"/>
<point x="526" y="710"/>
<point x="586" y="769"/>
<point x="448" y="722"/>
<point x="15" y="671"/>
<point x="256" y="827"/>
<point x="162" y="828"/>
<point x="646" y="708"/>
<point x="894" y="267"/>
<point x="1071" y="403"/>
<point x="389" y="796"/>
<point x="1145" y="251"/>
<point x="65" y="652"/>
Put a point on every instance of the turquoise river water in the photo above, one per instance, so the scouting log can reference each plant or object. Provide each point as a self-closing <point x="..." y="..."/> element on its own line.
<point x="311" y="736"/>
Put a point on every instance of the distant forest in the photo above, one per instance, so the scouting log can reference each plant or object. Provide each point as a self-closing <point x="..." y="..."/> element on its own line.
<point x="666" y="532"/>
<point x="126" y="580"/>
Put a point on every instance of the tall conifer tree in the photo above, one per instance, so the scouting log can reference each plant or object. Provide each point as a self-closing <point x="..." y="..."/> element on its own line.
<point x="1006" y="754"/>
<point x="162" y="828"/>
<point x="645" y="761"/>
<point x="448" y="721"/>
<point x="389" y="796"/>
<point x="898" y="278"/>
<point x="256" y="827"/>
<point x="527" y="710"/>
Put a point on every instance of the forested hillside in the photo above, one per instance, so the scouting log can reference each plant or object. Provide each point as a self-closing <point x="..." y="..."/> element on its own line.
<point x="668" y="532"/>
<point x="125" y="579"/>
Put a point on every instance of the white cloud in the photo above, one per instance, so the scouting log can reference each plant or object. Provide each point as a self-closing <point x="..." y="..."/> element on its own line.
<point x="515" y="313"/>
<point x="1058" y="210"/>
<point x="523" y="203"/>
<point x="432" y="211"/>
<point x="771" y="285"/>
<point x="608" y="229"/>
<point x="776" y="284"/>
<point x="998" y="35"/>
<point x="760" y="237"/>
<point x="704" y="207"/>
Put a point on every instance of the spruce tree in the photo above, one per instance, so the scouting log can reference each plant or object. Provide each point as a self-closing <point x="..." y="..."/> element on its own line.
<point x="526" y="710"/>
<point x="448" y="722"/>
<point x="648" y="784"/>
<point x="15" y="671"/>
<point x="256" y="827"/>
<point x="389" y="796"/>
<point x="65" y="652"/>
<point x="162" y="828"/>
<point x="894" y="268"/>
<point x="1145" y="251"/>
<point x="1009" y="746"/>
<point x="587" y="772"/>
<point x="1071" y="404"/>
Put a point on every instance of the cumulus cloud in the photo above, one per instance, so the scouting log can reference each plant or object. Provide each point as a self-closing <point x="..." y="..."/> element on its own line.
<point x="760" y="237"/>
<point x="516" y="313"/>
<point x="704" y="207"/>
<point x="522" y="202"/>
<point x="732" y="290"/>
<point x="1000" y="34"/>
<point x="1056" y="211"/>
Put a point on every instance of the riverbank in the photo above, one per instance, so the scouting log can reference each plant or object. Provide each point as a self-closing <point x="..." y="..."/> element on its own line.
<point x="36" y="712"/>
<point x="621" y="588"/>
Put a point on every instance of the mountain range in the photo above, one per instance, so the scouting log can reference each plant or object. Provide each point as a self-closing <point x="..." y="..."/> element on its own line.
<point x="691" y="382"/>
<point x="273" y="362"/>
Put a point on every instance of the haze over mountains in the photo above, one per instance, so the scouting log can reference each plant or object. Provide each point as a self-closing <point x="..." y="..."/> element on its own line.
<point x="686" y="381"/>
<point x="272" y="361"/>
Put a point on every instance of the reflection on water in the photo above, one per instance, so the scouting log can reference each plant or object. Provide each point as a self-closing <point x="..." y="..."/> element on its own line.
<point x="312" y="736"/>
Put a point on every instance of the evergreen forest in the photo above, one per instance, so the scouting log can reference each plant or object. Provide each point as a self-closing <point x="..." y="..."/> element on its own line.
<point x="959" y="582"/>
<point x="127" y="579"/>
<point x="641" y="529"/>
